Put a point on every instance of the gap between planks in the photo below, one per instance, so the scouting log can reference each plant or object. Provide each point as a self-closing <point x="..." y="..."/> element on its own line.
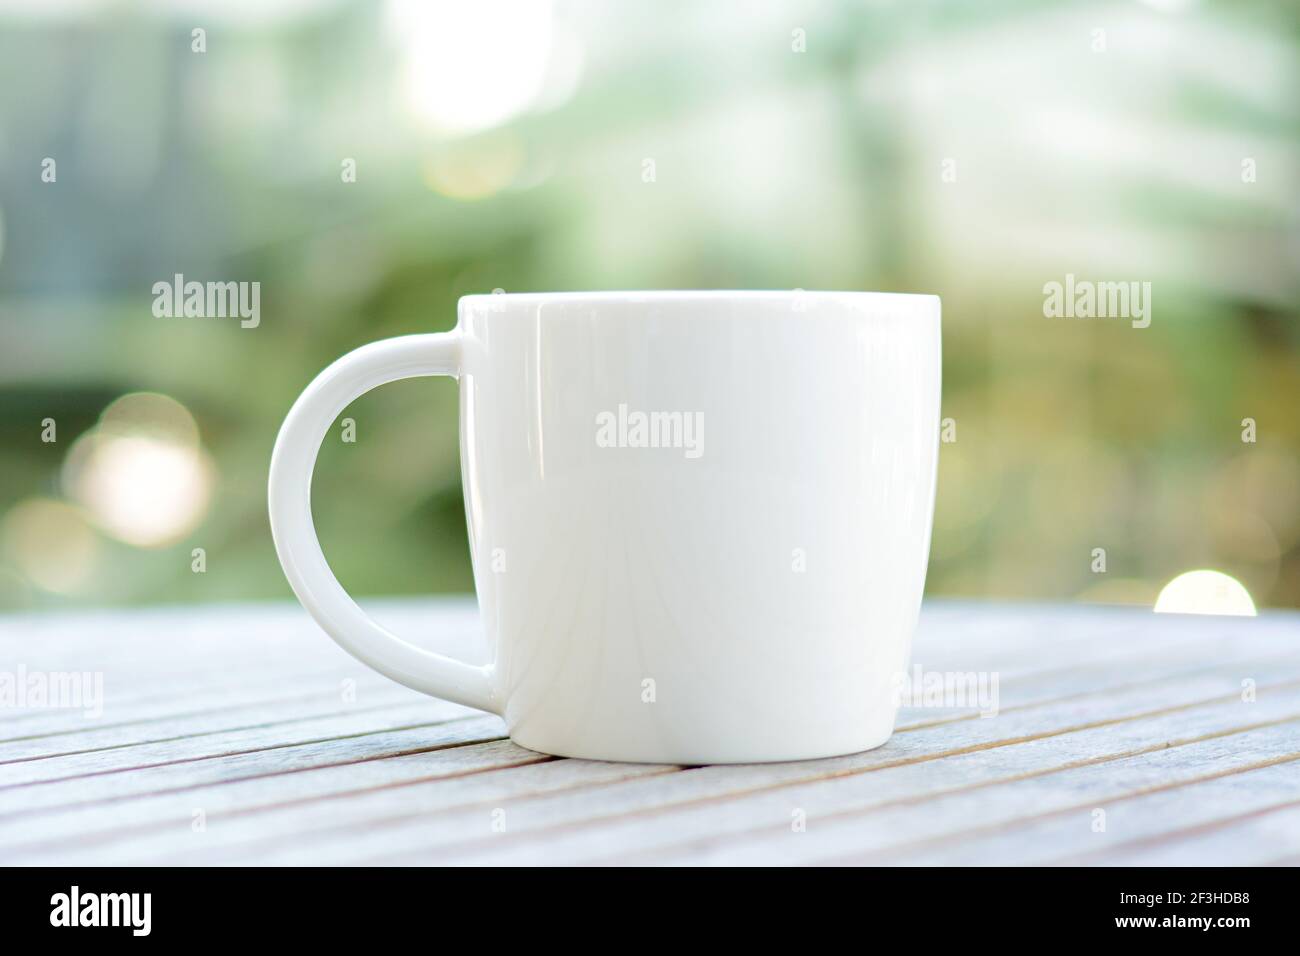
<point x="915" y="845"/>
<point x="365" y="759"/>
<point x="1189" y="832"/>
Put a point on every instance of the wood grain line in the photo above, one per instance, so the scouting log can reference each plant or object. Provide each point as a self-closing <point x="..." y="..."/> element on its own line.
<point x="1210" y="826"/>
<point x="262" y="750"/>
<point x="217" y="691"/>
<point x="903" y="849"/>
<point x="1094" y="691"/>
<point x="332" y="710"/>
<point x="131" y="832"/>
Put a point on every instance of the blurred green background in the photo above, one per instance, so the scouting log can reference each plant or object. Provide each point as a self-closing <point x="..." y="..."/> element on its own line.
<point x="973" y="150"/>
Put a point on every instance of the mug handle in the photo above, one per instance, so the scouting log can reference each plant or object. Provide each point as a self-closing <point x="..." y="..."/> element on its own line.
<point x="289" y="503"/>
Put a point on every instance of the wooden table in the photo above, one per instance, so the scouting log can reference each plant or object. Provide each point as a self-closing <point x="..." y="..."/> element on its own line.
<point x="240" y="734"/>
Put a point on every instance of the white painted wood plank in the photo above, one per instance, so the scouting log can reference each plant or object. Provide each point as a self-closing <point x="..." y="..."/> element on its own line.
<point x="953" y="826"/>
<point x="277" y="712"/>
<point x="154" y="661"/>
<point x="237" y="639"/>
<point x="286" y="733"/>
<point x="1171" y="819"/>
<point x="478" y="794"/>
<point x="40" y="797"/>
<point x="1239" y="661"/>
<point x="1263" y="836"/>
<point x="130" y="819"/>
<point x="126" y="709"/>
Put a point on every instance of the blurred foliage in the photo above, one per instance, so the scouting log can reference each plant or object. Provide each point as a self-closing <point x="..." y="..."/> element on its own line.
<point x="976" y="151"/>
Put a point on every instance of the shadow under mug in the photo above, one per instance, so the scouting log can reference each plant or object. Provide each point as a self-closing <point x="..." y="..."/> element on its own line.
<point x="699" y="521"/>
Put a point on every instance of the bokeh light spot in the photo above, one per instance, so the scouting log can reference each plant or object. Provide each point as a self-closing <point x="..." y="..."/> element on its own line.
<point x="141" y="474"/>
<point x="472" y="66"/>
<point x="51" y="544"/>
<point x="1205" y="592"/>
<point x="476" y="172"/>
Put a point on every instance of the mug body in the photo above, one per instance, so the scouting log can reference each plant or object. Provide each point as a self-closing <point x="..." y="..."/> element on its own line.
<point x="699" y="521"/>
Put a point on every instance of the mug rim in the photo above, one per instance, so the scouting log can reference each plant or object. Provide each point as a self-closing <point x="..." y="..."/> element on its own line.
<point x="688" y="294"/>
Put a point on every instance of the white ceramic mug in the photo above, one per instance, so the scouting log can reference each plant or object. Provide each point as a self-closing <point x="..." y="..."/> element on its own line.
<point x="699" y="521"/>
